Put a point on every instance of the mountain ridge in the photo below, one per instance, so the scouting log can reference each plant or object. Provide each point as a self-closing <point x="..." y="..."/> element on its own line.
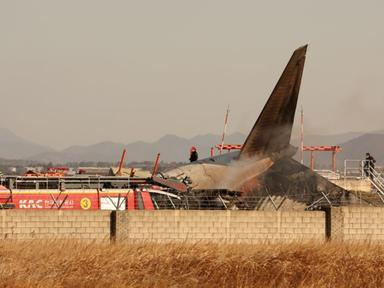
<point x="174" y="148"/>
<point x="13" y="146"/>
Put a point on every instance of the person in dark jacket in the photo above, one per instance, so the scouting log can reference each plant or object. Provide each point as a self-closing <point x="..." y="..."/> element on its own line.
<point x="194" y="156"/>
<point x="369" y="165"/>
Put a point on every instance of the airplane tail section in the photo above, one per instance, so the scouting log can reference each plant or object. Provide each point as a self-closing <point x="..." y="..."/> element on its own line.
<point x="272" y="130"/>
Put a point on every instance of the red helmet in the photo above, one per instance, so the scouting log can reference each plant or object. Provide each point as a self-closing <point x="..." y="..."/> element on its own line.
<point x="193" y="149"/>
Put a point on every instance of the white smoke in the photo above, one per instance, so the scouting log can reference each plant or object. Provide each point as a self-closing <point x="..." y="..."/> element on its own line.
<point x="241" y="172"/>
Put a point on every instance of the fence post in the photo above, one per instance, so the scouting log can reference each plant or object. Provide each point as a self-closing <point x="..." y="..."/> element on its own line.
<point x="112" y="234"/>
<point x="328" y="223"/>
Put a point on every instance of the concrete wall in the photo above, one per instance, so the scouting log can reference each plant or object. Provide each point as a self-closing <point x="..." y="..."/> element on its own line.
<point x="220" y="226"/>
<point x="54" y="224"/>
<point x="357" y="224"/>
<point x="349" y="224"/>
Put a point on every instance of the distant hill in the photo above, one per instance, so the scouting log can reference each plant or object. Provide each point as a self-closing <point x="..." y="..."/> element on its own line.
<point x="176" y="149"/>
<point x="356" y="148"/>
<point x="15" y="147"/>
<point x="171" y="147"/>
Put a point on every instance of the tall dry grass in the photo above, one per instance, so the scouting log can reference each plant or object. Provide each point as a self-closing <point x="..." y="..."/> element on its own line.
<point x="70" y="264"/>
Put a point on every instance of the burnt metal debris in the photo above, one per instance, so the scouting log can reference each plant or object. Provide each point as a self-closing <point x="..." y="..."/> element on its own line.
<point x="262" y="174"/>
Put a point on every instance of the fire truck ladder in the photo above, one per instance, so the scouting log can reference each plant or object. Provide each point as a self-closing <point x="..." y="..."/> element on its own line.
<point x="377" y="181"/>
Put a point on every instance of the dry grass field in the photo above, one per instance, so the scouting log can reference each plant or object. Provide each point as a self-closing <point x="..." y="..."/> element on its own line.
<point x="69" y="264"/>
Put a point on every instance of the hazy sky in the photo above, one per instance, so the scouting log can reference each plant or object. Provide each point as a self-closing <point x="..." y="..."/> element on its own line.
<point x="78" y="72"/>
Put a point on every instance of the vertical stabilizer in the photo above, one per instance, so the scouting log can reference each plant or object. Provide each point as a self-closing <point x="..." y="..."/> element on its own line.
<point x="272" y="130"/>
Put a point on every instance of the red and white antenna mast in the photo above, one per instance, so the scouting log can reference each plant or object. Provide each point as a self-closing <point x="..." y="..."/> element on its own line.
<point x="224" y="130"/>
<point x="302" y="136"/>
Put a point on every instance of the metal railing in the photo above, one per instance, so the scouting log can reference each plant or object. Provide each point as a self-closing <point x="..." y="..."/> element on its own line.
<point x="354" y="169"/>
<point x="377" y="180"/>
<point x="69" y="182"/>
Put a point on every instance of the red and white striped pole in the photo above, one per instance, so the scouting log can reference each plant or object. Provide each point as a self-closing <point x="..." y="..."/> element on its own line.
<point x="224" y="130"/>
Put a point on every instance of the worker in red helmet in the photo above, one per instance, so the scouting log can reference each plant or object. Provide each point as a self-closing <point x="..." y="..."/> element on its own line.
<point x="193" y="155"/>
